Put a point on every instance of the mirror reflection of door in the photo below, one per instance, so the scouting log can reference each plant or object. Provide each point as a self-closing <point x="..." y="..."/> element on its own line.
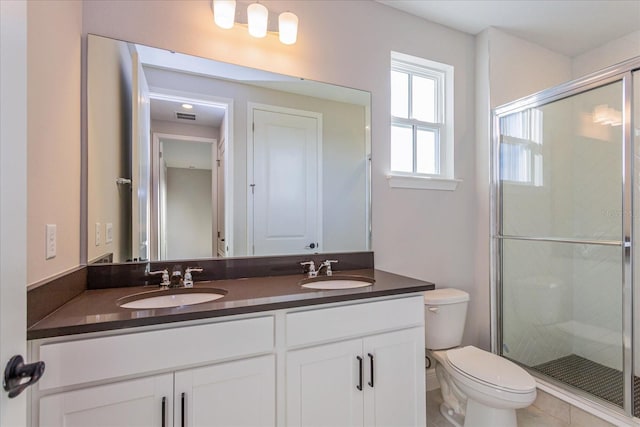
<point x="220" y="236"/>
<point x="140" y="161"/>
<point x="285" y="193"/>
<point x="186" y="193"/>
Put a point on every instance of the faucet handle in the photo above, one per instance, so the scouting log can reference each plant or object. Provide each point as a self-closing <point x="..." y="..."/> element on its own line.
<point x="188" y="278"/>
<point x="166" y="281"/>
<point x="327" y="264"/>
<point x="312" y="268"/>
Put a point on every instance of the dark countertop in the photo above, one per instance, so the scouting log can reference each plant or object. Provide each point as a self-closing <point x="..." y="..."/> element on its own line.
<point x="96" y="310"/>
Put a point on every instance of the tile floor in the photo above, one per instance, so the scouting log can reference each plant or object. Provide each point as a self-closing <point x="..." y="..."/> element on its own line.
<point x="547" y="411"/>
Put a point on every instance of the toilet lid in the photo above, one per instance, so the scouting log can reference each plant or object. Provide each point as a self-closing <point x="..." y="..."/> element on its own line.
<point x="445" y="296"/>
<point x="491" y="369"/>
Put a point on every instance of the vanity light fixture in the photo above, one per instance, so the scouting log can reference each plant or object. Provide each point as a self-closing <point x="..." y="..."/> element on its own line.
<point x="257" y="15"/>
<point x="187" y="106"/>
<point x="257" y="20"/>
<point x="605" y="115"/>
<point x="224" y="13"/>
<point x="288" y="25"/>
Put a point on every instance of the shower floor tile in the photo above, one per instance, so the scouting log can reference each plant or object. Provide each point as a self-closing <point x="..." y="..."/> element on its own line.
<point x="594" y="378"/>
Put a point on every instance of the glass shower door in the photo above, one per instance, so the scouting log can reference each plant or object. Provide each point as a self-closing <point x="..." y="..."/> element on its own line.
<point x="560" y="239"/>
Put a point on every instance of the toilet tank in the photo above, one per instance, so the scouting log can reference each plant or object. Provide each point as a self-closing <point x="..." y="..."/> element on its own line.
<point x="445" y="311"/>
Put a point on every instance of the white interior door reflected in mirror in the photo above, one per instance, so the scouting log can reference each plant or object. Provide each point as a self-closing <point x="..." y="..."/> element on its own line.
<point x="221" y="241"/>
<point x="286" y="191"/>
<point x="140" y="162"/>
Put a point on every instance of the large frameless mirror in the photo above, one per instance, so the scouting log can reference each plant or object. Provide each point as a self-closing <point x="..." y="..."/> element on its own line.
<point x="192" y="158"/>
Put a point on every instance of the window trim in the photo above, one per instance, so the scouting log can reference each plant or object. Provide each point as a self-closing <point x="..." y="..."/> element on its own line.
<point x="443" y="75"/>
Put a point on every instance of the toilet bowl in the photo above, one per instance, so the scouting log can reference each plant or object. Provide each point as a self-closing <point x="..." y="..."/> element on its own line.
<point x="479" y="389"/>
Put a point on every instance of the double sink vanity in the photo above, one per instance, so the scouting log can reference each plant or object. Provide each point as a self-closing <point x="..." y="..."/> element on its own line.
<point x="269" y="350"/>
<point x="248" y="339"/>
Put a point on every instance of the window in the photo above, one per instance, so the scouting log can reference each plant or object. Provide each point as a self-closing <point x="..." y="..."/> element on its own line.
<point x="421" y="118"/>
<point x="521" y="148"/>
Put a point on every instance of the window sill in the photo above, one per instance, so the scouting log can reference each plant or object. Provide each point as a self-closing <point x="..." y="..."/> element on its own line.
<point x="422" y="182"/>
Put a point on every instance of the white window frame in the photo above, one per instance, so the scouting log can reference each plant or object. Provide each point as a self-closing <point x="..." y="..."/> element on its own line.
<point x="524" y="130"/>
<point x="443" y="126"/>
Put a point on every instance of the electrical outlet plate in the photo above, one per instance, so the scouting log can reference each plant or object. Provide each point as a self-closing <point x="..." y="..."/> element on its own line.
<point x="98" y="234"/>
<point x="51" y="241"/>
<point x="108" y="233"/>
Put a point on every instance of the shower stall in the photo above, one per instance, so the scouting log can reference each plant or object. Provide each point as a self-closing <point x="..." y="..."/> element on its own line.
<point x="566" y="219"/>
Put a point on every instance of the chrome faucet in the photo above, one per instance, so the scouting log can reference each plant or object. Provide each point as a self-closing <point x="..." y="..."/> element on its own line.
<point x="176" y="278"/>
<point x="327" y="266"/>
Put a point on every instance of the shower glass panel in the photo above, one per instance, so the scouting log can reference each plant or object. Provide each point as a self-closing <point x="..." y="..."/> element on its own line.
<point x="560" y="229"/>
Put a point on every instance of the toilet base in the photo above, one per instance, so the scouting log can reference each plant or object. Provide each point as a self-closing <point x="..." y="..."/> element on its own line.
<point x="479" y="415"/>
<point x="456" y="419"/>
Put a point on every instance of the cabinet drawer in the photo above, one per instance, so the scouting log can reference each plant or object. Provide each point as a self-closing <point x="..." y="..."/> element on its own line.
<point x="326" y="324"/>
<point x="96" y="359"/>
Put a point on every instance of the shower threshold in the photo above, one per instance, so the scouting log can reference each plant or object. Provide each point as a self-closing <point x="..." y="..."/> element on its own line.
<point x="594" y="378"/>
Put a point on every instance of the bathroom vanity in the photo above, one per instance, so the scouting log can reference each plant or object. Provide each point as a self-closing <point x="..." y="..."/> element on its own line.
<point x="268" y="353"/>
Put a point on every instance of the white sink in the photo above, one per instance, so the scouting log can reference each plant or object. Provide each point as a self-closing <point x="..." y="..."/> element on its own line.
<point x="170" y="298"/>
<point x="337" y="282"/>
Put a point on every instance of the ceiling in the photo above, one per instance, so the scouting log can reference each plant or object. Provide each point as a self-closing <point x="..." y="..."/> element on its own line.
<point x="569" y="27"/>
<point x="205" y="115"/>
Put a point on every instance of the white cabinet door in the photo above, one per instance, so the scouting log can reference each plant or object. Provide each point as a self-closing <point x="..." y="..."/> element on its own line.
<point x="395" y="379"/>
<point x="322" y="385"/>
<point x="134" y="403"/>
<point x="239" y="393"/>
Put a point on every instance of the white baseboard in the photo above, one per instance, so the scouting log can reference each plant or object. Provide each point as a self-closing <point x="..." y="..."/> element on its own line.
<point x="432" y="380"/>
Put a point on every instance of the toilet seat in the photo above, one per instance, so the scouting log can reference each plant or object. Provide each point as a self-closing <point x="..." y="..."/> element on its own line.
<point x="490" y="370"/>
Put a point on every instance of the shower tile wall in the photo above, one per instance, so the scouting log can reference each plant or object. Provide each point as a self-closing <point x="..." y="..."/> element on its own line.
<point x="538" y="294"/>
<point x="597" y="203"/>
<point x="537" y="302"/>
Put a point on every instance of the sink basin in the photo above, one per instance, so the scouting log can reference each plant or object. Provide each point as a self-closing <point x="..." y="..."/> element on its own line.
<point x="170" y="298"/>
<point x="337" y="282"/>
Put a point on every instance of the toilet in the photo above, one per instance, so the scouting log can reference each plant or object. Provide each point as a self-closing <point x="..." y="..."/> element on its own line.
<point x="479" y="389"/>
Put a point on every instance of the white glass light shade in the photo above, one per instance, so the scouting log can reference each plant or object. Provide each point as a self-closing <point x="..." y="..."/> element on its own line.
<point x="224" y="13"/>
<point x="600" y="113"/>
<point x="288" y="27"/>
<point x="257" y="15"/>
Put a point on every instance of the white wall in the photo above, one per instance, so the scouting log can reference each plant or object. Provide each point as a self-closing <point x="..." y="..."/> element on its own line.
<point x="53" y="184"/>
<point x="519" y="68"/>
<point x="189" y="214"/>
<point x="482" y="266"/>
<point x="610" y="53"/>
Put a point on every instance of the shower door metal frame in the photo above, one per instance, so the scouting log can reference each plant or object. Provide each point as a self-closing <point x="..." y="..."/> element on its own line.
<point x="620" y="72"/>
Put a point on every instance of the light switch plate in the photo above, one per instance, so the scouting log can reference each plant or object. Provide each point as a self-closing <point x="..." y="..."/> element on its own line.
<point x="98" y="234"/>
<point x="108" y="233"/>
<point x="51" y="241"/>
